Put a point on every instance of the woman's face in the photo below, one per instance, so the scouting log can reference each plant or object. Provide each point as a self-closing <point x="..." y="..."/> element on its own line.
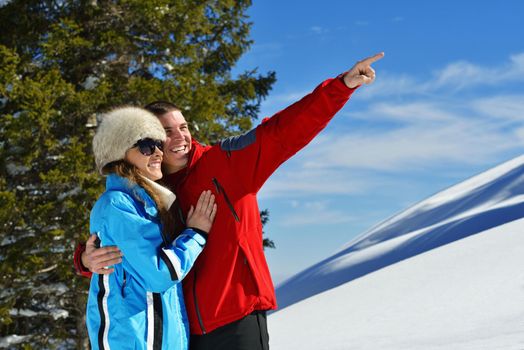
<point x="148" y="165"/>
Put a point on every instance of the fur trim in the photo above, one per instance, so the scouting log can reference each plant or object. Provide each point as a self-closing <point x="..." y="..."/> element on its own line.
<point x="120" y="129"/>
<point x="165" y="196"/>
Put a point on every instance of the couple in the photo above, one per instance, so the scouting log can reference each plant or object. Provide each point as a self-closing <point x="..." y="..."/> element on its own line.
<point x="229" y="288"/>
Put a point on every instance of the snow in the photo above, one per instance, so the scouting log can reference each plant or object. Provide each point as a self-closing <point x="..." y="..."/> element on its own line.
<point x="443" y="274"/>
<point x="14" y="170"/>
<point x="54" y="313"/>
<point x="59" y="313"/>
<point x="90" y="83"/>
<point x="12" y="340"/>
<point x="465" y="295"/>
<point x="69" y="193"/>
<point x="54" y="289"/>
<point x="481" y="191"/>
<point x="483" y="202"/>
<point x="23" y="312"/>
<point x="7" y="240"/>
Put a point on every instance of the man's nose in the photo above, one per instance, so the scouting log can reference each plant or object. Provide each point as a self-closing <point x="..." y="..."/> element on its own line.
<point x="177" y="134"/>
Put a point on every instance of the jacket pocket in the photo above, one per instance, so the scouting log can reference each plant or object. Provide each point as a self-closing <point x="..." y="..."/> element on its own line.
<point x="197" y="308"/>
<point x="249" y="266"/>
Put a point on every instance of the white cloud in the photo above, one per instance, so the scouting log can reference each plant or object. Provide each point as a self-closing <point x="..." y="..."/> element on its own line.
<point x="459" y="75"/>
<point x="315" y="213"/>
<point x="361" y="23"/>
<point x="285" y="99"/>
<point x="427" y="134"/>
<point x="419" y="112"/>
<point x="265" y="51"/>
<point x="453" y="77"/>
<point x="411" y="125"/>
<point x="319" y="30"/>
<point x="388" y="84"/>
<point x="508" y="107"/>
<point x="519" y="133"/>
<point x="411" y="148"/>
<point x="298" y="180"/>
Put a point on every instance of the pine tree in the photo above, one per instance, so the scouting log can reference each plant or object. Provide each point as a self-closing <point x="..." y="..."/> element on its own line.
<point x="264" y="217"/>
<point x="61" y="63"/>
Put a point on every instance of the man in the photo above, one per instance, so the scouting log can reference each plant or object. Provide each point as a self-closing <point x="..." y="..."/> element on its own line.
<point x="229" y="288"/>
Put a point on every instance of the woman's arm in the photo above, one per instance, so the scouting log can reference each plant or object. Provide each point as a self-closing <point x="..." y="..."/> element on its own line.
<point x="155" y="266"/>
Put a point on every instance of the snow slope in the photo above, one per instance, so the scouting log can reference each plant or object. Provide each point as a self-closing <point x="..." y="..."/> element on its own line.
<point x="465" y="295"/>
<point x="488" y="200"/>
<point x="447" y="273"/>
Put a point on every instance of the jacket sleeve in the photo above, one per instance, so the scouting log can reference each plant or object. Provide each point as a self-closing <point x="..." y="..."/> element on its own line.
<point x="80" y="269"/>
<point x="258" y="153"/>
<point x="155" y="266"/>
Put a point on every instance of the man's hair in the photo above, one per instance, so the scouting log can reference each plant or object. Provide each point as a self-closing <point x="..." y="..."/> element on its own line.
<point x="160" y="108"/>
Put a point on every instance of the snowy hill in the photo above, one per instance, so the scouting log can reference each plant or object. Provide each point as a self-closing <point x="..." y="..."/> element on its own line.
<point x="465" y="295"/>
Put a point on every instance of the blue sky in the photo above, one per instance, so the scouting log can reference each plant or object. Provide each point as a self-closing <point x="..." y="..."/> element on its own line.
<point x="447" y="104"/>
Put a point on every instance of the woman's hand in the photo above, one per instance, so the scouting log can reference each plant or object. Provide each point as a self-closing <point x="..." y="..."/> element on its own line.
<point x="202" y="216"/>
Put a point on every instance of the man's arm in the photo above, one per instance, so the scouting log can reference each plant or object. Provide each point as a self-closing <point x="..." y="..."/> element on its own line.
<point x="89" y="258"/>
<point x="258" y="153"/>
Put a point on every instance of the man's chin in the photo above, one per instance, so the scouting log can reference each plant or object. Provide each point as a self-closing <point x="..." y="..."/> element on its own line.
<point x="173" y="165"/>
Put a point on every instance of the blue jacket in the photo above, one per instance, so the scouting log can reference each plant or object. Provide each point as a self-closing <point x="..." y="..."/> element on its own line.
<point x="141" y="304"/>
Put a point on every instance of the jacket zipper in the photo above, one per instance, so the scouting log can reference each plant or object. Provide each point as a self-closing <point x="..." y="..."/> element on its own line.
<point x="124" y="284"/>
<point x="181" y="215"/>
<point x="199" y="316"/>
<point x="221" y="190"/>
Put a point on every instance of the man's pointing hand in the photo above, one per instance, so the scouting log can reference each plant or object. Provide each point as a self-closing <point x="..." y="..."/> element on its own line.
<point x="362" y="73"/>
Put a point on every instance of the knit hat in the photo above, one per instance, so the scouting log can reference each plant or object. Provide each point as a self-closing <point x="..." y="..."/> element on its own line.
<point x="120" y="129"/>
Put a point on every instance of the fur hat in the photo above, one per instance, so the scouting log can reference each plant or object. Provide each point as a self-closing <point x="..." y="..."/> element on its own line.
<point x="120" y="129"/>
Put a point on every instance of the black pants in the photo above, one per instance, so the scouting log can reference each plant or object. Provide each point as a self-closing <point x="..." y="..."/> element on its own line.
<point x="248" y="333"/>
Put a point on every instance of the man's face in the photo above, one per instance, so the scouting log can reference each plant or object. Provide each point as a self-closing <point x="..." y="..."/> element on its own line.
<point x="178" y="142"/>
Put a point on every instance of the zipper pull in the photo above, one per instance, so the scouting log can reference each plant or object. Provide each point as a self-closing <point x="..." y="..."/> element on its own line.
<point x="124" y="284"/>
<point x="221" y="191"/>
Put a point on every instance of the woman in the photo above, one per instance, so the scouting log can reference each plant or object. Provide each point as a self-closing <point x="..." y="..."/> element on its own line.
<point x="140" y="305"/>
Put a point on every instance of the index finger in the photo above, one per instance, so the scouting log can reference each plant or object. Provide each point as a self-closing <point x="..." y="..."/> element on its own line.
<point x="105" y="250"/>
<point x="372" y="59"/>
<point x="201" y="201"/>
<point x="210" y="200"/>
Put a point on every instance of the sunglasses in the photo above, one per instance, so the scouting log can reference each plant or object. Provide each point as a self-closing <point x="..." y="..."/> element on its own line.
<point x="147" y="146"/>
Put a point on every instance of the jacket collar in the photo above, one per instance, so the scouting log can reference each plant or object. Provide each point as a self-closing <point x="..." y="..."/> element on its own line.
<point x="197" y="149"/>
<point x="118" y="183"/>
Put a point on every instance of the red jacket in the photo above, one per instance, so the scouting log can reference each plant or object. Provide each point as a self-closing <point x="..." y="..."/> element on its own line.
<point x="231" y="278"/>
